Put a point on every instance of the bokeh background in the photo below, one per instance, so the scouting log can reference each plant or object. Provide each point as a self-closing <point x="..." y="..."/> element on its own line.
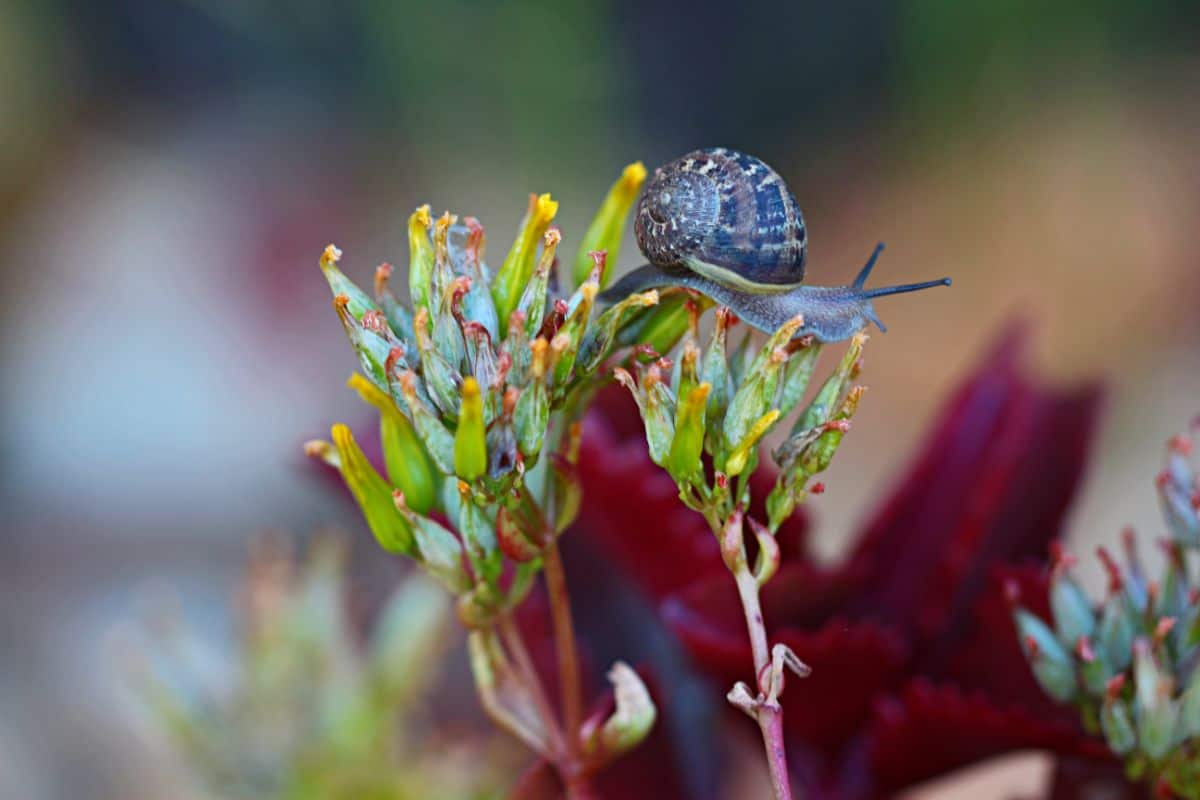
<point x="170" y="171"/>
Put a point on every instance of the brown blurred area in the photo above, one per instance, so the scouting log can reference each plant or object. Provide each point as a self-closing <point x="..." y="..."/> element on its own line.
<point x="171" y="171"/>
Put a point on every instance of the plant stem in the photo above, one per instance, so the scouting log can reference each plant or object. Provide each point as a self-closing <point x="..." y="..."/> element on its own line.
<point x="568" y="669"/>
<point x="747" y="588"/>
<point x="527" y="672"/>
<point x="770" y="721"/>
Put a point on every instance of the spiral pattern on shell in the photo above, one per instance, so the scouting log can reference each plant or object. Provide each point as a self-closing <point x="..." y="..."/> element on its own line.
<point x="726" y="215"/>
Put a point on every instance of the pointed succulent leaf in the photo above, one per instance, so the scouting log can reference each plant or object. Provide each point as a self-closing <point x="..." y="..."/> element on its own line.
<point x="1157" y="713"/>
<point x="443" y="380"/>
<point x="608" y="226"/>
<point x="714" y="370"/>
<point x="573" y="329"/>
<point x="1117" y="726"/>
<point x="532" y="304"/>
<point x="797" y="376"/>
<point x="532" y="413"/>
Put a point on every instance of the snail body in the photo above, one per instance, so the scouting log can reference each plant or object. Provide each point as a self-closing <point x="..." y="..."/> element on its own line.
<point x="726" y="225"/>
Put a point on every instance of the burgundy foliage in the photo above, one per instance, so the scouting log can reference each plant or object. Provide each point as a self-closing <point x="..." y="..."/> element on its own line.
<point x="916" y="667"/>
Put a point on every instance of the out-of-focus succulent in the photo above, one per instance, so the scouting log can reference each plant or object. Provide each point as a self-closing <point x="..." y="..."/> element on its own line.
<point x="301" y="708"/>
<point x="476" y="383"/>
<point x="1131" y="663"/>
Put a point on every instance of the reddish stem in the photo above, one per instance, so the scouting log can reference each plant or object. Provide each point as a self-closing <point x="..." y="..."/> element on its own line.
<point x="568" y="670"/>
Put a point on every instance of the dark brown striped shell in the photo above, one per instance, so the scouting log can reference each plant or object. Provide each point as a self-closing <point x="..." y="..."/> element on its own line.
<point x="726" y="210"/>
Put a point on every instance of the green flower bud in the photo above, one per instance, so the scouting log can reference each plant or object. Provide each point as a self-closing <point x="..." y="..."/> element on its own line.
<point x="1116" y="631"/>
<point x="739" y="457"/>
<point x="1070" y="607"/>
<point x="830" y="396"/>
<point x="478" y="535"/>
<point x="657" y="407"/>
<point x="598" y="340"/>
<point x="573" y="329"/>
<point x="683" y="460"/>
<point x="470" y="440"/>
<point x="1189" y="706"/>
<point x="373" y="495"/>
<point x="532" y="413"/>
<point x="357" y="301"/>
<point x="399" y="318"/>
<point x="442" y="380"/>
<point x="373" y="345"/>
<point x="566" y="492"/>
<point x="438" y="441"/>
<point x="408" y="465"/>
<point x="1117" y="725"/>
<point x="757" y="393"/>
<point x="532" y="305"/>
<point x="608" y="226"/>
<point x="438" y="550"/>
<point x="420" y="264"/>
<point x="515" y="272"/>
<point x="1157" y="714"/>
<point x="797" y="376"/>
<point x="714" y="370"/>
<point x="1052" y="664"/>
<point x="660" y="328"/>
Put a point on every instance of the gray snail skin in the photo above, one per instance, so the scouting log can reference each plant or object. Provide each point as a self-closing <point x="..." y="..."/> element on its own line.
<point x="726" y="225"/>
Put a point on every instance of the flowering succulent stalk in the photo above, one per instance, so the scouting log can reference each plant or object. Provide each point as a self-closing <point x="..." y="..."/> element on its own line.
<point x="478" y="385"/>
<point x="1131" y="663"/>
<point x="706" y="413"/>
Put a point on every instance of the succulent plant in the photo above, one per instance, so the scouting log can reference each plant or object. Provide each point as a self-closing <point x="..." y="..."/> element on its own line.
<point x="301" y="708"/>
<point x="1131" y="663"/>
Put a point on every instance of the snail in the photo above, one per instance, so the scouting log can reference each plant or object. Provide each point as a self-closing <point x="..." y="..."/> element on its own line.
<point x="726" y="225"/>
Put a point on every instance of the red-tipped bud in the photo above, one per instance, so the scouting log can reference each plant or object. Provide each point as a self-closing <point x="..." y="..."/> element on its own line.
<point x="1112" y="689"/>
<point x="817" y="488"/>
<point x="1083" y="649"/>
<point x="1116" y="581"/>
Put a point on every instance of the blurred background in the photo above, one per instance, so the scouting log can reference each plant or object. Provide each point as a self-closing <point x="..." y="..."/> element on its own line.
<point x="170" y="171"/>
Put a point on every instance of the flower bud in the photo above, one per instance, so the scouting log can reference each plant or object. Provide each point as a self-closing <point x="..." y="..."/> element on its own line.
<point x="470" y="440"/>
<point x="373" y="347"/>
<point x="573" y="328"/>
<point x="608" y="226"/>
<point x="1070" y="607"/>
<point x="408" y="465"/>
<point x="438" y="550"/>
<point x="566" y="492"/>
<point x="660" y="328"/>
<point x="600" y="336"/>
<point x="438" y="441"/>
<point x="756" y="394"/>
<point x="532" y="305"/>
<point x="399" y="318"/>
<point x="1051" y="663"/>
<point x="767" y="562"/>
<point x="833" y="391"/>
<point x="744" y="450"/>
<point x="797" y="376"/>
<point x="358" y="302"/>
<point x="1157" y="713"/>
<point x="515" y="272"/>
<point x="420" y="264"/>
<point x="657" y="407"/>
<point x="442" y="379"/>
<point x="1117" y="726"/>
<point x="683" y="460"/>
<point x="373" y="495"/>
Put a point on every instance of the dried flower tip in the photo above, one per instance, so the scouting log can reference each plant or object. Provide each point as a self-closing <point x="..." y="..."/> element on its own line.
<point x="1162" y="628"/>
<point x="375" y="322"/>
<point x="383" y="273"/>
<point x="1083" y="649"/>
<point x="1116" y="581"/>
<point x="331" y="255"/>
<point x="817" y="488"/>
<point x="319" y="448"/>
<point x="1112" y="689"/>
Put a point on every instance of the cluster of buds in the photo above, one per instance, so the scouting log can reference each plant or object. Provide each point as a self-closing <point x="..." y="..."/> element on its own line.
<point x="300" y="708"/>
<point x="477" y="384"/>
<point x="1132" y="663"/>
<point x="706" y="413"/>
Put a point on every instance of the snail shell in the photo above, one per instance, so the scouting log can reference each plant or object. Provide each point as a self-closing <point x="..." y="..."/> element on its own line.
<point x="725" y="224"/>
